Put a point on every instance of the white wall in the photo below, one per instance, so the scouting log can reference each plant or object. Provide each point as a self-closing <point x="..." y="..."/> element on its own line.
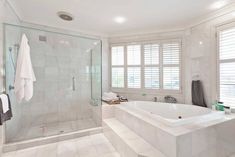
<point x="197" y="59"/>
<point x="7" y="15"/>
<point x="202" y="59"/>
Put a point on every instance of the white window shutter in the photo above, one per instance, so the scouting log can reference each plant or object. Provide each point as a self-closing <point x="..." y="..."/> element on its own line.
<point x="117" y="77"/>
<point x="133" y="55"/>
<point x="151" y="54"/>
<point x="151" y="76"/>
<point x="151" y="70"/>
<point x="118" y="55"/>
<point x="133" y="77"/>
<point x="171" y="79"/>
<point x="227" y="66"/>
<point x="171" y="53"/>
<point x="171" y="66"/>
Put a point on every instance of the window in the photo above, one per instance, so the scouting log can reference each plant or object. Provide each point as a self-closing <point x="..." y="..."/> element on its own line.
<point x="118" y="67"/>
<point x="227" y="66"/>
<point x="148" y="66"/>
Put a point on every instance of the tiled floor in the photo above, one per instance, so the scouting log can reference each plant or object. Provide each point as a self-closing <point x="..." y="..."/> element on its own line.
<point x="52" y="129"/>
<point x="88" y="146"/>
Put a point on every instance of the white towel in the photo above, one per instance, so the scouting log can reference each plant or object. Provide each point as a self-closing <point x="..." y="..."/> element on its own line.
<point x="24" y="72"/>
<point x="109" y="96"/>
<point x="5" y="103"/>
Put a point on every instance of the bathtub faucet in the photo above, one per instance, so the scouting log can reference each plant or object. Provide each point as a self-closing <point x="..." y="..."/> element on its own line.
<point x="155" y="99"/>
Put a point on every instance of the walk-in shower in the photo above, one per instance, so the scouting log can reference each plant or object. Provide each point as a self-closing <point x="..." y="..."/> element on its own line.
<point x="67" y="93"/>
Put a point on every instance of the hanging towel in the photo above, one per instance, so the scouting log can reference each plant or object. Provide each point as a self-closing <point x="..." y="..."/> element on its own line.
<point x="197" y="94"/>
<point x="8" y="114"/>
<point x="5" y="104"/>
<point x="24" y="72"/>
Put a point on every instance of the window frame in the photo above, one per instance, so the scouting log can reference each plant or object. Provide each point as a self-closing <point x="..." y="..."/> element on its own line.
<point x="143" y="89"/>
<point x="220" y="28"/>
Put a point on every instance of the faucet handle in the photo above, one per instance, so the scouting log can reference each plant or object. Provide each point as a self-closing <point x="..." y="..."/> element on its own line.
<point x="155" y="99"/>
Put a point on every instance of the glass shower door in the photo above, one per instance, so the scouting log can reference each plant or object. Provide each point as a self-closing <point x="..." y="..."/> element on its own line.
<point x="67" y="92"/>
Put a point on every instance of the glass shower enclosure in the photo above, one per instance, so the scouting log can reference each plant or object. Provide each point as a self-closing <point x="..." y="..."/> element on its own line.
<point x="67" y="91"/>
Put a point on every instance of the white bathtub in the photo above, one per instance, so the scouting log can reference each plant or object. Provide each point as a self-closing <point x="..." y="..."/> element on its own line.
<point x="175" y="114"/>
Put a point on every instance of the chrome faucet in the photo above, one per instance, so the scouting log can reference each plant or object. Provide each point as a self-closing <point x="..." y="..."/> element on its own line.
<point x="155" y="99"/>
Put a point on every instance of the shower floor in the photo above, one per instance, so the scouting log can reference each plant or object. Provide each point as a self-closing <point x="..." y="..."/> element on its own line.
<point x="50" y="129"/>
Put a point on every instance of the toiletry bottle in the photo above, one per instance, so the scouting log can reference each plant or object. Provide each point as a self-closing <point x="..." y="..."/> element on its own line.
<point x="213" y="107"/>
<point x="227" y="109"/>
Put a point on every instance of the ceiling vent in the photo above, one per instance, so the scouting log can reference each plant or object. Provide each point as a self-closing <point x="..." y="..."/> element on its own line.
<point x="65" y="16"/>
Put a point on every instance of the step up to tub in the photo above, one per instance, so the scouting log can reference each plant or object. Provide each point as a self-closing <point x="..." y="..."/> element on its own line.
<point x="126" y="142"/>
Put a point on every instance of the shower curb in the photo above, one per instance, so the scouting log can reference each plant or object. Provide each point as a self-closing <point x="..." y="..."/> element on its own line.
<point x="47" y="140"/>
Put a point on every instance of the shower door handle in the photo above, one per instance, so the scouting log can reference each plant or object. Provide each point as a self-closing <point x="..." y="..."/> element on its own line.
<point x="74" y="83"/>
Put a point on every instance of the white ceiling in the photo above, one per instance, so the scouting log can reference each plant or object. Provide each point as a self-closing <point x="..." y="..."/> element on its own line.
<point x="97" y="15"/>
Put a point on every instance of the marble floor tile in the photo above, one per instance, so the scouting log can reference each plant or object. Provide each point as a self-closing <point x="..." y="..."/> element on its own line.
<point x="89" y="146"/>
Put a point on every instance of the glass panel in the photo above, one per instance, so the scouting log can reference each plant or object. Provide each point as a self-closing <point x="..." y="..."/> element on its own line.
<point x="68" y="73"/>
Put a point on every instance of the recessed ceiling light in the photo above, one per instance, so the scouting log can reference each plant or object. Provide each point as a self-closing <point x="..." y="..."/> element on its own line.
<point x="120" y="19"/>
<point x="218" y="4"/>
<point x="65" y="16"/>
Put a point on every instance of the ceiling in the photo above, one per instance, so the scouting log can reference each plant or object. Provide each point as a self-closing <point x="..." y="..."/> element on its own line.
<point x="97" y="15"/>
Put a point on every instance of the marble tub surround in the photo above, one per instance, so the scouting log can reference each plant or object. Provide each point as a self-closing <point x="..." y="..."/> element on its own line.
<point x="203" y="139"/>
<point x="87" y="146"/>
<point x="108" y="111"/>
<point x="126" y="141"/>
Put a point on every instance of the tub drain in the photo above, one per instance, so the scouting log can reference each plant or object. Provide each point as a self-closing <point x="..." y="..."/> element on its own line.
<point x="180" y="117"/>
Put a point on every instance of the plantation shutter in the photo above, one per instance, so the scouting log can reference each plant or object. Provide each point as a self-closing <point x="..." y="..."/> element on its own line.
<point x="151" y="62"/>
<point x="117" y="66"/>
<point x="171" y="65"/>
<point x="133" y="66"/>
<point x="227" y="66"/>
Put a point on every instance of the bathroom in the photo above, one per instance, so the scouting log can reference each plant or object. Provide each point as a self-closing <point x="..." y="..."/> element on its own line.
<point x="118" y="78"/>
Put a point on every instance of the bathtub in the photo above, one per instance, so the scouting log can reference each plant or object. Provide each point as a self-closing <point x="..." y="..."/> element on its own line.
<point x="174" y="114"/>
